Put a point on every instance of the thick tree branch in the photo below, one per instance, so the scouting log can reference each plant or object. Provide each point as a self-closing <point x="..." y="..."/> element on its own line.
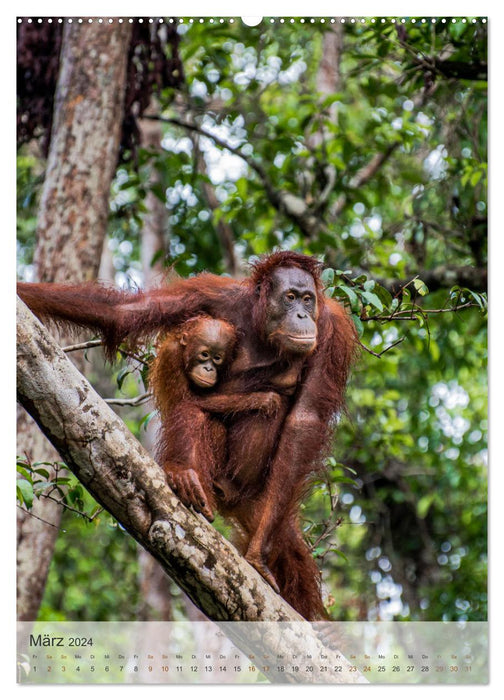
<point x="461" y="70"/>
<point x="124" y="479"/>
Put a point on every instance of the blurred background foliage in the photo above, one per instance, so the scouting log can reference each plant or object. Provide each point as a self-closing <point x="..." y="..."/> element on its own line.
<point x="375" y="161"/>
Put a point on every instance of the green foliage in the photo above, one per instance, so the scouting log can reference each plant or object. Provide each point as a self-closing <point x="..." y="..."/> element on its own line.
<point x="387" y="171"/>
<point x="51" y="480"/>
<point x="28" y="183"/>
<point x="417" y="440"/>
<point x="93" y="573"/>
<point x="79" y="586"/>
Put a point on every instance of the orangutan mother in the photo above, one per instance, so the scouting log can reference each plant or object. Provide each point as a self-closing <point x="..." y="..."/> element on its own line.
<point x="291" y="340"/>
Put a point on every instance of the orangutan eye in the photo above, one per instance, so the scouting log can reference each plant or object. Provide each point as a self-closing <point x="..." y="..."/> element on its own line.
<point x="204" y="355"/>
<point x="290" y="296"/>
<point x="217" y="359"/>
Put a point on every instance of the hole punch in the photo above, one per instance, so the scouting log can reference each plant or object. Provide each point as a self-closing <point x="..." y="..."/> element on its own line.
<point x="251" y="21"/>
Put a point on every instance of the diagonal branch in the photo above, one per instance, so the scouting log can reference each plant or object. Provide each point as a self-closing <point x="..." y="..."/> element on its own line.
<point x="293" y="207"/>
<point x="368" y="171"/>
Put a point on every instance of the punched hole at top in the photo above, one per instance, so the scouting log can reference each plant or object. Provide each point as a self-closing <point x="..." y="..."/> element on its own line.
<point x="251" y="21"/>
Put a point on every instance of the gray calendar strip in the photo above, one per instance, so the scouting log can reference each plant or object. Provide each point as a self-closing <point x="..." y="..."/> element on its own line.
<point x="249" y="652"/>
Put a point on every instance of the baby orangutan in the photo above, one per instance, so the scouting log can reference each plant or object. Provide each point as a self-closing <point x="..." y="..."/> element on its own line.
<point x="192" y="446"/>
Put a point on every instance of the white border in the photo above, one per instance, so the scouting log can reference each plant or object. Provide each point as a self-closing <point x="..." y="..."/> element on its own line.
<point x="278" y="8"/>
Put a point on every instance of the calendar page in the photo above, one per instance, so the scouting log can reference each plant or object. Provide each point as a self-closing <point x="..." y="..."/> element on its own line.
<point x="252" y="317"/>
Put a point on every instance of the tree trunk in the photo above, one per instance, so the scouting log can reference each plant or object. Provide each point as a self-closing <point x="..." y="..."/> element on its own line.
<point x="328" y="73"/>
<point x="120" y="475"/>
<point x="71" y="228"/>
<point x="223" y="229"/>
<point x="155" y="238"/>
<point x="83" y="153"/>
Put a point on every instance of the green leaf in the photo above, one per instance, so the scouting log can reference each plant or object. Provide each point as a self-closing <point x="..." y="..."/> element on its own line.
<point x="434" y="350"/>
<point x="359" y="327"/>
<point x="352" y="296"/>
<point x="420" y="286"/>
<point x="424" y="504"/>
<point x="25" y="473"/>
<point x="41" y="486"/>
<point x="344" y="480"/>
<point x="64" y="480"/>
<point x="327" y="277"/>
<point x="24" y="492"/>
<point x="384" y="295"/>
<point x="75" y="494"/>
<point x="123" y="373"/>
<point x="372" y="299"/>
<point x="340" y="554"/>
<point x="42" y="472"/>
<point x="480" y="299"/>
<point x="476" y="177"/>
<point x="158" y="191"/>
<point x="147" y="419"/>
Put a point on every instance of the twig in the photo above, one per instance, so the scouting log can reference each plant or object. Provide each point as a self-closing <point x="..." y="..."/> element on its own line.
<point x="83" y="346"/>
<point x="32" y="515"/>
<point x="379" y="354"/>
<point x="133" y="356"/>
<point x="62" y="503"/>
<point x="400" y="315"/>
<point x="136" y="401"/>
<point x="329" y="525"/>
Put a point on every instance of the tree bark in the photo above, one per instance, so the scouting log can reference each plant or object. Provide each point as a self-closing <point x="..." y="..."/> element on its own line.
<point x="83" y="154"/>
<point x="328" y="73"/>
<point x="120" y="475"/>
<point x="72" y="223"/>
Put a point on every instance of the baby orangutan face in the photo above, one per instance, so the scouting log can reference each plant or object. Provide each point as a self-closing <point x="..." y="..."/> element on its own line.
<point x="207" y="347"/>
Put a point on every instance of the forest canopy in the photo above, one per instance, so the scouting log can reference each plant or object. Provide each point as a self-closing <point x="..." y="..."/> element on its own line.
<point x="364" y="143"/>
